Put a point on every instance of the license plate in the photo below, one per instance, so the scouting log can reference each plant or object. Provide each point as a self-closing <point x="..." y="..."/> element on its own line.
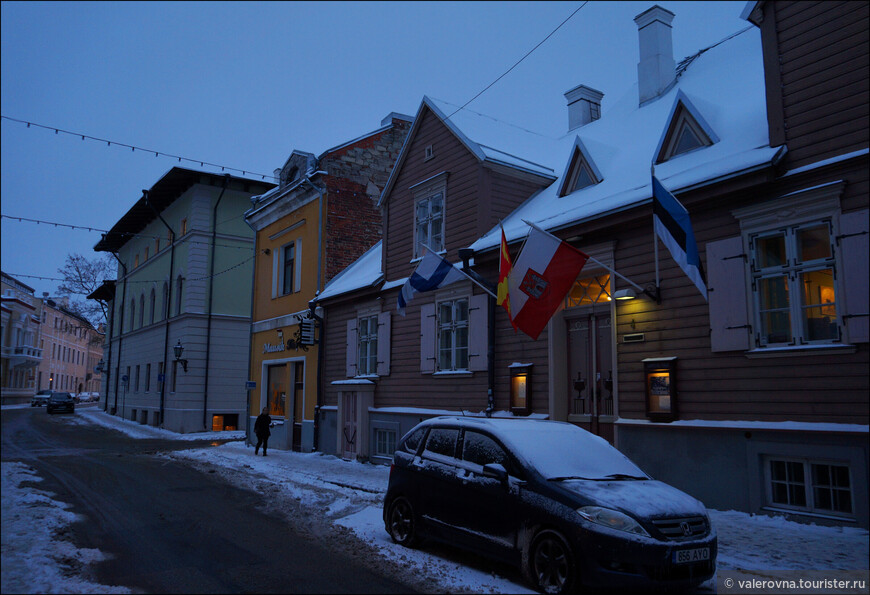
<point x="697" y="555"/>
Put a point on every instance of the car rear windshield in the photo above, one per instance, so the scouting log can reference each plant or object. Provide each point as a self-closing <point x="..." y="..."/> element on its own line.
<point x="565" y="451"/>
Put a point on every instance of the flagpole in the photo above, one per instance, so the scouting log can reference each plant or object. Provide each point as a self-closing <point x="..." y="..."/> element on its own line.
<point x="654" y="234"/>
<point x="595" y="260"/>
<point x="472" y="279"/>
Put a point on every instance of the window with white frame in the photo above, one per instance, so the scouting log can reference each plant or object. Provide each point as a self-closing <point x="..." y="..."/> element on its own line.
<point x="367" y="352"/>
<point x="793" y="282"/>
<point x="807" y="485"/>
<point x="794" y="278"/>
<point x="429" y="224"/>
<point x="288" y="268"/>
<point x="385" y="442"/>
<point x="453" y="334"/>
<point x="429" y="197"/>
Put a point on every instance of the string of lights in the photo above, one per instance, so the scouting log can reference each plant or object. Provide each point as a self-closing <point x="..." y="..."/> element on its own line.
<point x="133" y="148"/>
<point x="152" y="281"/>
<point x="125" y="235"/>
<point x="520" y="60"/>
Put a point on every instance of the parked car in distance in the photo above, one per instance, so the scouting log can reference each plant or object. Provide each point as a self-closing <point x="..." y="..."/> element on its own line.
<point x="60" y="402"/>
<point x="559" y="502"/>
<point x="40" y="398"/>
<point x="87" y="397"/>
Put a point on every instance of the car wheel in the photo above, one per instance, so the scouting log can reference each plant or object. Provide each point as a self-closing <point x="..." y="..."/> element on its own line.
<point x="551" y="564"/>
<point x="403" y="526"/>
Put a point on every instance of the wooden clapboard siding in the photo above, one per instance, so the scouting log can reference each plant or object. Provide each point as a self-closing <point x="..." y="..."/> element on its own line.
<point x="822" y="387"/>
<point x="823" y="62"/>
<point x="450" y="156"/>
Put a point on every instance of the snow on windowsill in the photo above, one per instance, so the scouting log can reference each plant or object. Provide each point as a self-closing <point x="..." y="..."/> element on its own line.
<point x="798" y="350"/>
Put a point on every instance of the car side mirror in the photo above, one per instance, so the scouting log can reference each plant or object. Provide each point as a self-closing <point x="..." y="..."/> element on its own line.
<point x="495" y="471"/>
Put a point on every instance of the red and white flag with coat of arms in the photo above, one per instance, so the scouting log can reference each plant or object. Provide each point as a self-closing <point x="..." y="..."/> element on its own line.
<point x="541" y="278"/>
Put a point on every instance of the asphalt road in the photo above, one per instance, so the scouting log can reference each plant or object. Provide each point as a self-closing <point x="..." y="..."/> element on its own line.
<point x="170" y="528"/>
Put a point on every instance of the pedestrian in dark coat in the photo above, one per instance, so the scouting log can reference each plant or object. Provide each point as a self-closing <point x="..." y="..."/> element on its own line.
<point x="261" y="429"/>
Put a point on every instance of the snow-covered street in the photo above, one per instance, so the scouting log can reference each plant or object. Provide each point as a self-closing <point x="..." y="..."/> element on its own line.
<point x="349" y="494"/>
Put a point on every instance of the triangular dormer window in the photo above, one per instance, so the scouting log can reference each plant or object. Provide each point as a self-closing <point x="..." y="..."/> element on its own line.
<point x="686" y="131"/>
<point x="581" y="171"/>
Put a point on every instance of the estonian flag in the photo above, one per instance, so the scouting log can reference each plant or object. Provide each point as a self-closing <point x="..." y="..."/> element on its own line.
<point x="432" y="272"/>
<point x="672" y="225"/>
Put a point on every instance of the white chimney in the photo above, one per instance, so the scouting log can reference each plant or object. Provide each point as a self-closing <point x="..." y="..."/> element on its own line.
<point x="656" y="69"/>
<point x="584" y="106"/>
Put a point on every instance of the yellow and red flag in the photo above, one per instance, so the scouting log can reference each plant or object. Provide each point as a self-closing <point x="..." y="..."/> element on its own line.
<point x="504" y="270"/>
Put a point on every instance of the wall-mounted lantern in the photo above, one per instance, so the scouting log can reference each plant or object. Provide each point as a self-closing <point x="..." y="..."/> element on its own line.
<point x="661" y="388"/>
<point x="521" y="389"/>
<point x="179" y="349"/>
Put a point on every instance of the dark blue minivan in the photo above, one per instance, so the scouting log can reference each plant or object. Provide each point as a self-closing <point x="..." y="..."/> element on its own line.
<point x="562" y="504"/>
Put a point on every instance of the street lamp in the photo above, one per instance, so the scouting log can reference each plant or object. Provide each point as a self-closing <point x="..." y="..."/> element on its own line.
<point x="179" y="349"/>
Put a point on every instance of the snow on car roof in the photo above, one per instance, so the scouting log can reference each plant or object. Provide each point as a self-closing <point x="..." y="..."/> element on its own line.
<point x="554" y="449"/>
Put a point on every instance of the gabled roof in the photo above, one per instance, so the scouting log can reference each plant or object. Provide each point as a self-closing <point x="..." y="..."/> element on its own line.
<point x="162" y="194"/>
<point x="724" y="84"/>
<point x="488" y="139"/>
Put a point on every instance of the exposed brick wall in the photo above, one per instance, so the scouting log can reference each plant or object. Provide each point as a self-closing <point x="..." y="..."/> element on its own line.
<point x="357" y="173"/>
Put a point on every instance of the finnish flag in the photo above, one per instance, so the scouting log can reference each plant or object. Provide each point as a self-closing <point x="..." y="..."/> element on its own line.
<point x="432" y="272"/>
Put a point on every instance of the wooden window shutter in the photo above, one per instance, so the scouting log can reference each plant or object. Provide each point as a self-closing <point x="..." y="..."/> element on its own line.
<point x="854" y="242"/>
<point x="383" y="366"/>
<point x="478" y="335"/>
<point x="427" y="338"/>
<point x="352" y="347"/>
<point x="728" y="300"/>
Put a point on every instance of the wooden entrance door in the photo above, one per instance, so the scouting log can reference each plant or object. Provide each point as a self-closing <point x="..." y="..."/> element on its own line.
<point x="350" y="425"/>
<point x="590" y="367"/>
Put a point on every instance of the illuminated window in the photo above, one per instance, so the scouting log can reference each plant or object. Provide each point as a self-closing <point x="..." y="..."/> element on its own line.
<point x="276" y="398"/>
<point x="793" y="273"/>
<point x="588" y="291"/>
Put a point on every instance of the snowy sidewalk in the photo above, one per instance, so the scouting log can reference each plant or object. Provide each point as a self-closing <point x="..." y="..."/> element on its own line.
<point x="350" y="495"/>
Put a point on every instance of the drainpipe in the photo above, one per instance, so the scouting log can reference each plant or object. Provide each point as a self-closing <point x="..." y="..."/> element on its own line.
<point x="320" y="225"/>
<point x="120" y="332"/>
<point x="320" y="346"/>
<point x="168" y="307"/>
<point x="466" y="254"/>
<point x="251" y="338"/>
<point x="110" y="330"/>
<point x="210" y="294"/>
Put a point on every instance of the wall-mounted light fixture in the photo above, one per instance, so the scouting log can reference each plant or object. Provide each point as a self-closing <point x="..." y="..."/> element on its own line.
<point x="179" y="349"/>
<point x="624" y="294"/>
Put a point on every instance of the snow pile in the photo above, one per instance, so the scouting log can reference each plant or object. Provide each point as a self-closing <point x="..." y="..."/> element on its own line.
<point x="36" y="558"/>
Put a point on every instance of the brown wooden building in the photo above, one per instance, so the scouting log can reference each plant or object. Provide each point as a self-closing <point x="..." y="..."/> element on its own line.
<point x="755" y="399"/>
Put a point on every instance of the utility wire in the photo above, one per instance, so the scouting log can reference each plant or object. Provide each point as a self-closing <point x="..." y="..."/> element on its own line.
<point x="133" y="148"/>
<point x="520" y="60"/>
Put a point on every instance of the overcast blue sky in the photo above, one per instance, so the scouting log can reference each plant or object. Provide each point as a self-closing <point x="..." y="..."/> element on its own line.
<point x="242" y="84"/>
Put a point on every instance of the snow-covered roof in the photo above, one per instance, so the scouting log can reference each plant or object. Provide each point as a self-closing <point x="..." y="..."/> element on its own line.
<point x="723" y="87"/>
<point x="724" y="84"/>
<point x="365" y="271"/>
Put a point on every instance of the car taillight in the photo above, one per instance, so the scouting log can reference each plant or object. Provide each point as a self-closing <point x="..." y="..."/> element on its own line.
<point x="391" y="468"/>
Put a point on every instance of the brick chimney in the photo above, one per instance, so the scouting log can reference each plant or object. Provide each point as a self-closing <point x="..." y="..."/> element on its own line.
<point x="584" y="106"/>
<point x="656" y="69"/>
